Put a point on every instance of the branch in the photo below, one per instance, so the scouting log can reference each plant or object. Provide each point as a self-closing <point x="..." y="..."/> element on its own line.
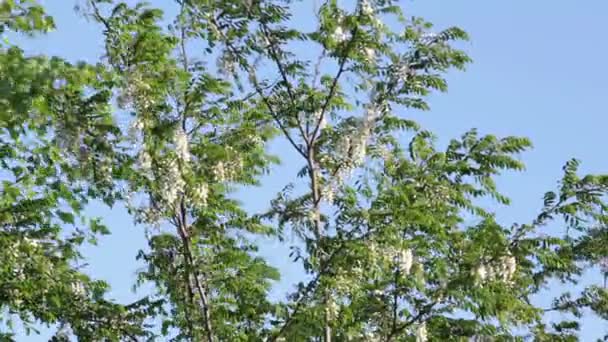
<point x="275" y="57"/>
<point x="334" y="84"/>
<point x="311" y="286"/>
<point x="256" y="84"/>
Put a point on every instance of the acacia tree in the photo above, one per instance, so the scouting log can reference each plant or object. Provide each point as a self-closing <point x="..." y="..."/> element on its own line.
<point x="380" y="223"/>
<point x="57" y="153"/>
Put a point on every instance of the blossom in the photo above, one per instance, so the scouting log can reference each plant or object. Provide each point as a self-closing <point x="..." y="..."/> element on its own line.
<point x="136" y="126"/>
<point x="181" y="145"/>
<point x="366" y="7"/>
<point x="320" y="119"/>
<point x="201" y="193"/>
<point x="144" y="160"/>
<point x="421" y="333"/>
<point x="78" y="288"/>
<point x="482" y="272"/>
<point x="508" y="267"/>
<point x="219" y="171"/>
<point x="332" y="309"/>
<point x="405" y="261"/>
<point x="31" y="242"/>
<point x="370" y="53"/>
<point x="403" y="72"/>
<point x="227" y="65"/>
<point x="172" y="184"/>
<point x="339" y="35"/>
<point x="328" y="193"/>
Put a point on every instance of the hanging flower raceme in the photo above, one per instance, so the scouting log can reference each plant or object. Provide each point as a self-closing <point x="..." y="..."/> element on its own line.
<point x="422" y="333"/>
<point x="405" y="261"/>
<point x="78" y="288"/>
<point x="370" y="54"/>
<point x="136" y="127"/>
<point x="200" y="193"/>
<point x="181" y="145"/>
<point x="508" y="267"/>
<point x="482" y="272"/>
<point x="366" y="7"/>
<point x="332" y="309"/>
<point x="339" y="35"/>
<point x="504" y="270"/>
<point x="172" y="183"/>
<point x="321" y="120"/>
<point x="144" y="160"/>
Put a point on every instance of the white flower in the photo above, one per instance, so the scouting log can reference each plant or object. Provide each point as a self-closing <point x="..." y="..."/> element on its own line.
<point x="372" y="113"/>
<point x="403" y="72"/>
<point x="172" y="184"/>
<point x="144" y="160"/>
<point x="31" y="242"/>
<point x="366" y="7"/>
<point x="328" y="194"/>
<point x="136" y="126"/>
<point x="482" y="272"/>
<point x="200" y="193"/>
<point x="421" y="333"/>
<point x="509" y="267"/>
<point x="320" y="120"/>
<point x="181" y="145"/>
<point x="370" y="53"/>
<point x="339" y="35"/>
<point x="227" y="65"/>
<point x="314" y="215"/>
<point x="18" y="272"/>
<point x="405" y="261"/>
<point x="78" y="288"/>
<point x="359" y="151"/>
<point x="428" y="36"/>
<point x="219" y="172"/>
<point x="332" y="309"/>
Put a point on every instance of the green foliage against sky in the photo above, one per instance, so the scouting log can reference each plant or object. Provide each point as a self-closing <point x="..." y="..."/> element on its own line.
<point x="388" y="228"/>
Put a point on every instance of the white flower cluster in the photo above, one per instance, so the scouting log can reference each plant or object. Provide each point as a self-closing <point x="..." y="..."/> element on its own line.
<point x="227" y="171"/>
<point x="144" y="160"/>
<point x="136" y="126"/>
<point x="322" y="121"/>
<point x="78" y="288"/>
<point x="181" y="145"/>
<point x="328" y="193"/>
<point x="339" y="35"/>
<point x="402" y="258"/>
<point x="366" y="7"/>
<point x="403" y="72"/>
<point x="422" y="333"/>
<point x="370" y="53"/>
<point x="137" y="91"/>
<point x="332" y="309"/>
<point x="172" y="184"/>
<point x="405" y="261"/>
<point x="226" y="65"/>
<point x="200" y="193"/>
<point x="505" y="270"/>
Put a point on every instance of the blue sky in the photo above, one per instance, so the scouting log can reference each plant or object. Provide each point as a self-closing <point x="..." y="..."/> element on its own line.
<point x="539" y="71"/>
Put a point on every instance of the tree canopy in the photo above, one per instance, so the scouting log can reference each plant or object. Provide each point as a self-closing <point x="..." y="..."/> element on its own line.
<point x="390" y="229"/>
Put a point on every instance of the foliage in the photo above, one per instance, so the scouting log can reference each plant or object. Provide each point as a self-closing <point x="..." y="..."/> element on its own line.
<point x="391" y="231"/>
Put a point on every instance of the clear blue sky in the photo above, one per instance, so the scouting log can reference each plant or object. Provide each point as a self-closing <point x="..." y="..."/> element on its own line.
<point x="539" y="71"/>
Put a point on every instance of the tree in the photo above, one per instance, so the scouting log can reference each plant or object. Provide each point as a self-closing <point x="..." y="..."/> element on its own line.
<point x="379" y="211"/>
